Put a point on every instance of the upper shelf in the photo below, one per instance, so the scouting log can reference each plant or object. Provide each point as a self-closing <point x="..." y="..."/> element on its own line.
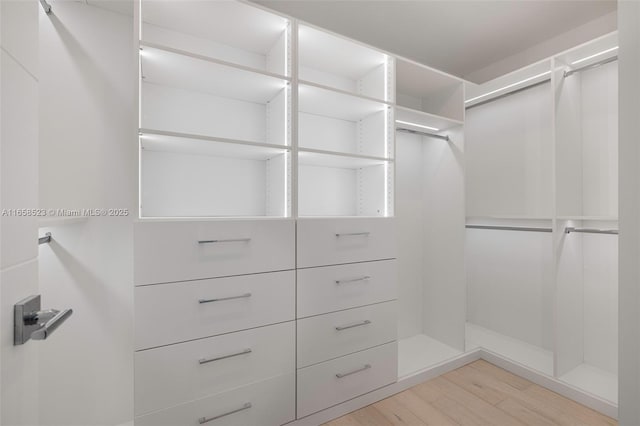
<point x="418" y="120"/>
<point x="170" y="68"/>
<point x="329" y="103"/>
<point x="224" y="29"/>
<point x="342" y="64"/>
<point x="337" y="160"/>
<point x="589" y="53"/>
<point x="424" y="89"/>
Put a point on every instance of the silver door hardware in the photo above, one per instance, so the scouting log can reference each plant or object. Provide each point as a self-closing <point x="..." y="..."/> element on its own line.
<point x="203" y="420"/>
<point x="219" y="358"/>
<point x="352" y="234"/>
<point x="341" y="375"/>
<point x="229" y="240"/>
<point x="31" y="322"/>
<point x="46" y="239"/>
<point x="220" y="299"/>
<point x="359" y="324"/>
<point x="353" y="280"/>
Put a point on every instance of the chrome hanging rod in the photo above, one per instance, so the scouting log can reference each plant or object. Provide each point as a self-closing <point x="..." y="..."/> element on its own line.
<point x="417" y="132"/>
<point x="46" y="239"/>
<point x="509" y="228"/>
<point x="46" y="6"/>
<point x="590" y="66"/>
<point x="509" y="93"/>
<point x="570" y="229"/>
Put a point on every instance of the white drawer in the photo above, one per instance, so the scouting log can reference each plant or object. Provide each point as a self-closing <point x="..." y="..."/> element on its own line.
<point x="171" y="313"/>
<point x="180" y="251"/>
<point x="271" y="404"/>
<point x="333" y="241"/>
<point x="333" y="335"/>
<point x="329" y="383"/>
<point x="176" y="374"/>
<point x="333" y="288"/>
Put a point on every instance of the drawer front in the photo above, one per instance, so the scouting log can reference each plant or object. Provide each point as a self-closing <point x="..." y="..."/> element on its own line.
<point x="179" y="251"/>
<point x="330" y="336"/>
<point x="324" y="242"/>
<point x="332" y="382"/>
<point x="266" y="403"/>
<point x="333" y="288"/>
<point x="172" y="313"/>
<point x="175" y="374"/>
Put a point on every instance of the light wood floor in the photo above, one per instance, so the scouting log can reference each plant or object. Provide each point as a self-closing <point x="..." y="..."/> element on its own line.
<point x="476" y="394"/>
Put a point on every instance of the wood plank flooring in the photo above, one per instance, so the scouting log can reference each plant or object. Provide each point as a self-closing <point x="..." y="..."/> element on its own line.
<point x="478" y="394"/>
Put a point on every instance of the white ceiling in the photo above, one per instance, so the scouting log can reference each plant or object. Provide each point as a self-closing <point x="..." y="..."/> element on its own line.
<point x="477" y="40"/>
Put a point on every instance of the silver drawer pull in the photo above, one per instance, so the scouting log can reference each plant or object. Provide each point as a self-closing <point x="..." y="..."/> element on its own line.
<point x="203" y="420"/>
<point x="353" y="234"/>
<point x="218" y="358"/>
<point x="341" y="375"/>
<point x="359" y="324"/>
<point x="353" y="280"/>
<point x="220" y="299"/>
<point x="230" y="240"/>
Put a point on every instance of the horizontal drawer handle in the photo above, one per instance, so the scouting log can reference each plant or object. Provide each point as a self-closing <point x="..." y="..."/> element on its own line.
<point x="353" y="234"/>
<point x="207" y="360"/>
<point x="203" y="420"/>
<point x="353" y="280"/>
<point x="341" y="375"/>
<point x="359" y="324"/>
<point x="230" y="240"/>
<point x="220" y="299"/>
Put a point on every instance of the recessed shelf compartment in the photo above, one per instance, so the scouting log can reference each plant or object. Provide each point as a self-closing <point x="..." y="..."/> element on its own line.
<point x="333" y="121"/>
<point x="419" y="352"/>
<point x="342" y="185"/>
<point x="190" y="177"/>
<point x="430" y="91"/>
<point x="332" y="61"/>
<point x="185" y="94"/>
<point x="224" y="29"/>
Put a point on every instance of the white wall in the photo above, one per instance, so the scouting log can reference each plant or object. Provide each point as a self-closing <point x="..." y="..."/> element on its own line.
<point x="629" y="246"/>
<point x="18" y="189"/>
<point x="88" y="158"/>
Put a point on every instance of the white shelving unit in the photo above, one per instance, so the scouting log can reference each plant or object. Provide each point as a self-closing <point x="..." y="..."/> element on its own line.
<point x="345" y="141"/>
<point x="587" y="198"/>
<point x="542" y="156"/>
<point x="430" y="219"/>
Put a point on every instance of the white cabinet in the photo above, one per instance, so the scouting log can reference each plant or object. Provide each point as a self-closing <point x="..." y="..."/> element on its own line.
<point x="345" y="240"/>
<point x="334" y="288"/>
<point x="325" y="337"/>
<point x="270" y="402"/>
<point x="177" y="312"/>
<point x="329" y="383"/>
<point x="189" y="250"/>
<point x="176" y="374"/>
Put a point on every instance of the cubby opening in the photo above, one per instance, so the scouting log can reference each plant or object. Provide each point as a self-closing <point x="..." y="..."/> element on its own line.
<point x="226" y="30"/>
<point x="189" y="177"/>
<point x="423" y="89"/>
<point x="332" y="61"/>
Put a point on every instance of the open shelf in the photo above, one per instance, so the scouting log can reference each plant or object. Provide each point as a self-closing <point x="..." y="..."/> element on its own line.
<point x="342" y="185"/>
<point x="228" y="30"/>
<point x="598" y="382"/>
<point x="418" y="120"/>
<point x="186" y="177"/>
<point x="526" y="354"/>
<point x="424" y="89"/>
<point x="419" y="352"/>
<point x="190" y="95"/>
<point x="332" y="61"/>
<point x="333" y="121"/>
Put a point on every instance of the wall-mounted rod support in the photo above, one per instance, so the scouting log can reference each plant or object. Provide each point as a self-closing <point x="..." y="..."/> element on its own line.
<point x="590" y="66"/>
<point x="569" y="230"/>
<point x="46" y="6"/>
<point x="46" y="239"/>
<point x="509" y="228"/>
<point x="417" y="132"/>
